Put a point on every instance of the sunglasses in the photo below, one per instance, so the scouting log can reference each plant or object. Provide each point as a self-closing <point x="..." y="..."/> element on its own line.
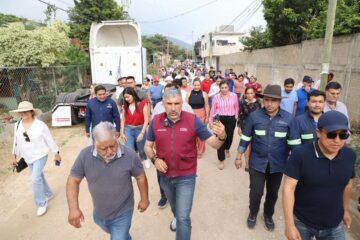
<point x="27" y="139"/>
<point x="342" y="135"/>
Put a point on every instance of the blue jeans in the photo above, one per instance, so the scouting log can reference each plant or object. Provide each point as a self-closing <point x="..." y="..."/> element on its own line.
<point x="309" y="233"/>
<point x="180" y="193"/>
<point x="118" y="228"/>
<point x="40" y="187"/>
<point x="131" y="134"/>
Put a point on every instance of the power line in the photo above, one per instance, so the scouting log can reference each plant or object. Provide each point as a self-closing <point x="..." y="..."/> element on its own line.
<point x="179" y="15"/>
<point x="249" y="15"/>
<point x="241" y="14"/>
<point x="53" y="5"/>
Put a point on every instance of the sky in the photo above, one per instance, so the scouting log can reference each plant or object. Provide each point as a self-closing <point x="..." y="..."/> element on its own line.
<point x="186" y="20"/>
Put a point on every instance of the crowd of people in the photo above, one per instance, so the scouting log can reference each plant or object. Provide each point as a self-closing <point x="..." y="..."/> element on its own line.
<point x="300" y="132"/>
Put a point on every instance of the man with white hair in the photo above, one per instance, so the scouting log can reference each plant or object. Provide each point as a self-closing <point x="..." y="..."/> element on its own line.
<point x="108" y="168"/>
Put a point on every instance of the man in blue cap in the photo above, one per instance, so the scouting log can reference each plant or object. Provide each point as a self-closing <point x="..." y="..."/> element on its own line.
<point x="318" y="183"/>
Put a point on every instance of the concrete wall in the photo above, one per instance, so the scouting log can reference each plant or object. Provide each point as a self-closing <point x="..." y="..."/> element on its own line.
<point x="273" y="65"/>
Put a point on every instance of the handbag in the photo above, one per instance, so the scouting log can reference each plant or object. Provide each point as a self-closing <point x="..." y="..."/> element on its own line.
<point x="21" y="164"/>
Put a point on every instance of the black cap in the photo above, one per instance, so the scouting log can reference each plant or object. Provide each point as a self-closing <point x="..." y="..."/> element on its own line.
<point x="308" y="79"/>
<point x="333" y="121"/>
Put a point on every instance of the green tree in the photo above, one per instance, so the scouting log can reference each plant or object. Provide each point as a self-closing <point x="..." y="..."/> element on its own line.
<point x="85" y="12"/>
<point x="76" y="56"/>
<point x="292" y="21"/>
<point x="347" y="20"/>
<point x="259" y="38"/>
<point x="43" y="46"/>
<point x="159" y="43"/>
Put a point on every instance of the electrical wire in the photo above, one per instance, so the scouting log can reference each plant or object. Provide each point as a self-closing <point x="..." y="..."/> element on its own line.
<point x="179" y="15"/>
<point x="242" y="13"/>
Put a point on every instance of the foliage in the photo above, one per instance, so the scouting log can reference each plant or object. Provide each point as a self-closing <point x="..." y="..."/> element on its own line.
<point x="5" y="19"/>
<point x="50" y="12"/>
<point x="159" y="43"/>
<point x="43" y="46"/>
<point x="347" y="20"/>
<point x="85" y="12"/>
<point x="292" y="21"/>
<point x="76" y="56"/>
<point x="259" y="38"/>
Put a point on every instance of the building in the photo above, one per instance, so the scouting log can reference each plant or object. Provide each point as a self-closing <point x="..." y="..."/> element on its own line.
<point x="220" y="42"/>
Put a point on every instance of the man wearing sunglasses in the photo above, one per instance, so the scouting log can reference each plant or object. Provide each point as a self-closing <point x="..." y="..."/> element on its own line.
<point x="318" y="183"/>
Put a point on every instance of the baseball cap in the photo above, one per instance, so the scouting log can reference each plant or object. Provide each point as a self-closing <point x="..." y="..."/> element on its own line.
<point x="333" y="121"/>
<point x="308" y="79"/>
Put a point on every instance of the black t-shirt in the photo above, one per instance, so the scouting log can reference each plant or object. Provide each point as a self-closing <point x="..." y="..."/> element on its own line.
<point x="321" y="183"/>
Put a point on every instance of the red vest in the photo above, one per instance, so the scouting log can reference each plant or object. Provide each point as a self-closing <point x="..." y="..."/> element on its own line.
<point x="176" y="144"/>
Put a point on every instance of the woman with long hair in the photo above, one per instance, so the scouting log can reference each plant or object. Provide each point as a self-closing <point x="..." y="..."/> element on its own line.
<point x="199" y="102"/>
<point x="247" y="105"/>
<point x="32" y="141"/>
<point x="225" y="105"/>
<point x="136" y="115"/>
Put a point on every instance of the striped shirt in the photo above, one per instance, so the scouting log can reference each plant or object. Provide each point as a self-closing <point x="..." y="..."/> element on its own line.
<point x="224" y="106"/>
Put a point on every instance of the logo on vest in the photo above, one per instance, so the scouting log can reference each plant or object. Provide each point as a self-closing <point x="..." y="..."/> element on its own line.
<point x="109" y="106"/>
<point x="183" y="129"/>
<point x="161" y="130"/>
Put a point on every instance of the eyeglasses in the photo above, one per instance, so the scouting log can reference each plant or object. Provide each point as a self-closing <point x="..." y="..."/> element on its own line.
<point x="342" y="135"/>
<point x="26" y="136"/>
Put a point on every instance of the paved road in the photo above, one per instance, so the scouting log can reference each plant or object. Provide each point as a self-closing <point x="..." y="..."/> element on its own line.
<point x="219" y="211"/>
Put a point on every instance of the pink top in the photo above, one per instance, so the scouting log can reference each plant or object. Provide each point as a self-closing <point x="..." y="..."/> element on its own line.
<point x="224" y="106"/>
<point x="239" y="87"/>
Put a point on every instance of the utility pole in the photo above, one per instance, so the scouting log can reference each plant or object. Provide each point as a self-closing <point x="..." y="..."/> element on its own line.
<point x="326" y="57"/>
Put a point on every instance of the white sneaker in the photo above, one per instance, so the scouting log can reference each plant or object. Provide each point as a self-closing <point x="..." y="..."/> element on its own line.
<point x="147" y="163"/>
<point x="173" y="225"/>
<point x="41" y="210"/>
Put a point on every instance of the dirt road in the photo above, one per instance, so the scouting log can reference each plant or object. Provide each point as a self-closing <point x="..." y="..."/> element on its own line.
<point x="219" y="211"/>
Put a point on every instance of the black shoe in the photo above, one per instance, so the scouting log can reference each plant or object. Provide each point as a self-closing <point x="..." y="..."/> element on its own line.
<point x="269" y="223"/>
<point x="251" y="220"/>
<point x="163" y="202"/>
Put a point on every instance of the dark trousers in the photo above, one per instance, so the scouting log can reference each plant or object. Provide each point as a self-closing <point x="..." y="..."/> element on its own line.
<point x="257" y="183"/>
<point x="229" y="122"/>
<point x="162" y="193"/>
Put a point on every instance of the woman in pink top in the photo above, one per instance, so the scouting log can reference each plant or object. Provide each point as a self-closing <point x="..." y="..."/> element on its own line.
<point x="239" y="86"/>
<point x="226" y="106"/>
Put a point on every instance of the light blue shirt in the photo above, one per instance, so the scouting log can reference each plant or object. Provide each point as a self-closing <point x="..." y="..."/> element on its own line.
<point x="287" y="103"/>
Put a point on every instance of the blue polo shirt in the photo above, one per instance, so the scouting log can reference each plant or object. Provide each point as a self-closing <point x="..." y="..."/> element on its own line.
<point x="321" y="183"/>
<point x="302" y="130"/>
<point x="302" y="101"/>
<point x="268" y="137"/>
<point x="156" y="91"/>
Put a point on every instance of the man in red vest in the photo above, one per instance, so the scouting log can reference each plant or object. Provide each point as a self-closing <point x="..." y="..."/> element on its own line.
<point x="174" y="133"/>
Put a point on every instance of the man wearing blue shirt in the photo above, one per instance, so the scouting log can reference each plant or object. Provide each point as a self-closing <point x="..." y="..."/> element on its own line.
<point x="267" y="130"/>
<point x="101" y="109"/>
<point x="155" y="91"/>
<point x="302" y="94"/>
<point x="303" y="127"/>
<point x="290" y="98"/>
<point x="318" y="183"/>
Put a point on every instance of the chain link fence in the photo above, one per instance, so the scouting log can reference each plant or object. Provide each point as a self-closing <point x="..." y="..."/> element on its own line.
<point x="39" y="85"/>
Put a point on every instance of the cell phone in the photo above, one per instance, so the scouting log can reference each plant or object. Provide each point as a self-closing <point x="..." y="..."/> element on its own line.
<point x="216" y="118"/>
<point x="57" y="162"/>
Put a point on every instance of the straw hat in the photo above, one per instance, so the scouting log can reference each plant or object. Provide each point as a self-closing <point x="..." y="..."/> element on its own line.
<point x="25" y="106"/>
